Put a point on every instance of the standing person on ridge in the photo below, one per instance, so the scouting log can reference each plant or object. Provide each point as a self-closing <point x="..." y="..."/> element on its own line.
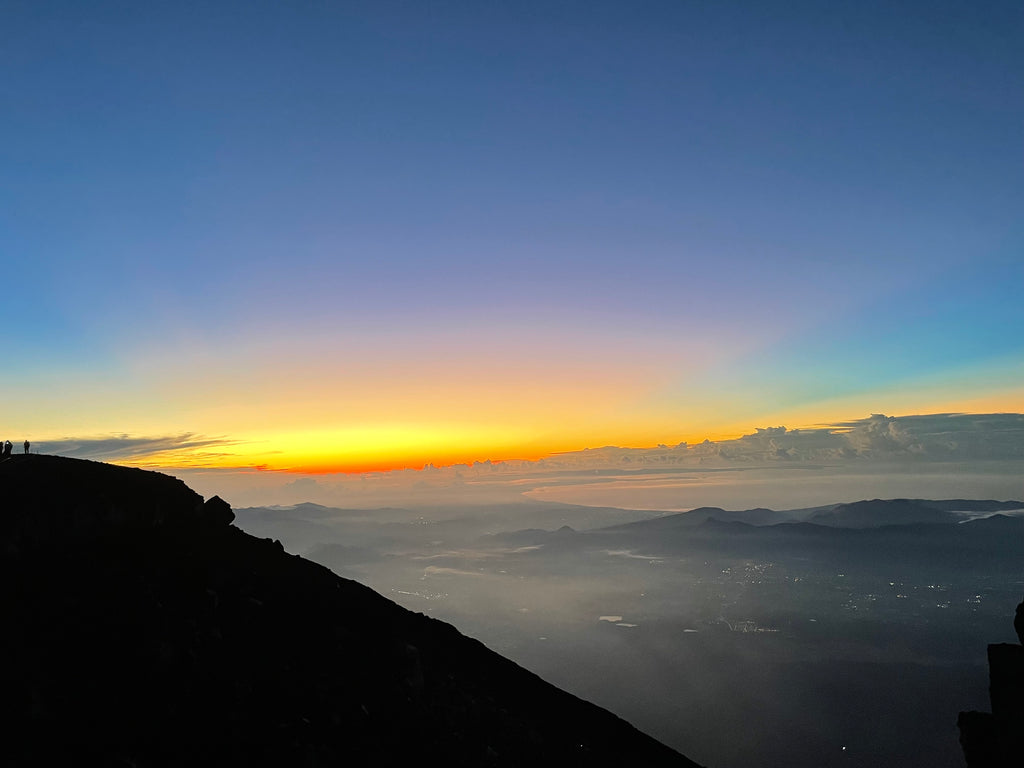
<point x="26" y="446"/>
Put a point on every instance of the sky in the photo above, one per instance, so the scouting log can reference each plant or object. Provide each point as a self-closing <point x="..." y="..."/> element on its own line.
<point x="344" y="236"/>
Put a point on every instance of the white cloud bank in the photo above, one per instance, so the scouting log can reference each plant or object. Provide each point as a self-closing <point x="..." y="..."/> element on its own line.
<point x="934" y="437"/>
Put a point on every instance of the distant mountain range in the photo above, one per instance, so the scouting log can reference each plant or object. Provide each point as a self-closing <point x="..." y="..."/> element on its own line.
<point x="875" y="513"/>
<point x="957" y="532"/>
<point x="143" y="629"/>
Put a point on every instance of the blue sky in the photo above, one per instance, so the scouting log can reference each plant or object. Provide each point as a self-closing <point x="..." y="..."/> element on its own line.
<point x="798" y="205"/>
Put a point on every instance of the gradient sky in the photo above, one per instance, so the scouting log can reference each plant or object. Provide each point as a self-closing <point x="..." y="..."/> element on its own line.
<point x="346" y="235"/>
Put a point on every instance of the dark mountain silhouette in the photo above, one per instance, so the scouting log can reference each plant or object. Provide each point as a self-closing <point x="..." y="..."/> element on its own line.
<point x="695" y="517"/>
<point x="996" y="739"/>
<point x="878" y="512"/>
<point x="873" y="513"/>
<point x="143" y="629"/>
<point x="941" y="537"/>
<point x="971" y="505"/>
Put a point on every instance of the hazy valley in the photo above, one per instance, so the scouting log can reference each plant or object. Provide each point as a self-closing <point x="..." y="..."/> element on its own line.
<point x="813" y="637"/>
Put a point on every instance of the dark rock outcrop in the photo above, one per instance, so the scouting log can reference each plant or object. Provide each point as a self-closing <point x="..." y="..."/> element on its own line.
<point x="140" y="628"/>
<point x="1018" y="623"/>
<point x="996" y="739"/>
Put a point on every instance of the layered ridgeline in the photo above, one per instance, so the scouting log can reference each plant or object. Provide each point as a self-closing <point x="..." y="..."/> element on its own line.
<point x="141" y="628"/>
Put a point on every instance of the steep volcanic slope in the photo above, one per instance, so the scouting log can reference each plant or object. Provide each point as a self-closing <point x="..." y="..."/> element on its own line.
<point x="142" y="629"/>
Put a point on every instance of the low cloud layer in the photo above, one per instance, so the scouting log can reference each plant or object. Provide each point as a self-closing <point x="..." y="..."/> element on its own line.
<point x="933" y="437"/>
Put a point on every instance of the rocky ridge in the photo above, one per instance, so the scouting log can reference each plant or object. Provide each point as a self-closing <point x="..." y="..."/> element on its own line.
<point x="996" y="739"/>
<point x="141" y="628"/>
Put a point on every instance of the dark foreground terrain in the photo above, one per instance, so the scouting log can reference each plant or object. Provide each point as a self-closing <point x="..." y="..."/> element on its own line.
<point x="141" y="628"/>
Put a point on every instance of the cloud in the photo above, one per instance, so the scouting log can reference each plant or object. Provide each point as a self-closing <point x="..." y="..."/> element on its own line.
<point x="930" y="437"/>
<point x="127" y="448"/>
<point x="940" y="436"/>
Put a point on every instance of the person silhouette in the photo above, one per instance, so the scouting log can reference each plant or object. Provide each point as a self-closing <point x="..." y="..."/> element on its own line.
<point x="8" y="445"/>
<point x="26" y="446"/>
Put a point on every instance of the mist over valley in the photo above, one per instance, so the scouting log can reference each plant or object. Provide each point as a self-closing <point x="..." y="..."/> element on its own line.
<point x="842" y="634"/>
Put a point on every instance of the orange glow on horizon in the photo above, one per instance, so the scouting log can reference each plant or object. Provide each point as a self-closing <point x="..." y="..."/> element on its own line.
<point x="381" y="448"/>
<point x="316" y="454"/>
<point x="378" y="447"/>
